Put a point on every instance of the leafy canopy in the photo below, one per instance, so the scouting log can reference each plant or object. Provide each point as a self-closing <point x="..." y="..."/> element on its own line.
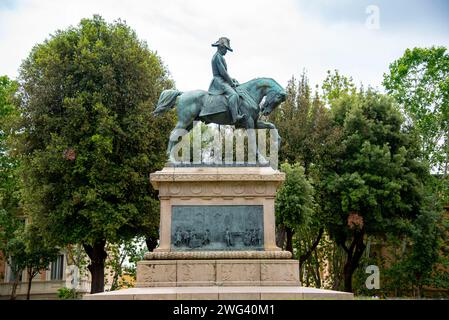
<point x="419" y="81"/>
<point x="375" y="181"/>
<point x="87" y="137"/>
<point x="294" y="200"/>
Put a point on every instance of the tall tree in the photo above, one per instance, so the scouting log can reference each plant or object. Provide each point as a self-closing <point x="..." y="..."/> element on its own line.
<point x="374" y="183"/>
<point x="9" y="199"/>
<point x="305" y="124"/>
<point x="88" y="139"/>
<point x="419" y="81"/>
<point x="11" y="220"/>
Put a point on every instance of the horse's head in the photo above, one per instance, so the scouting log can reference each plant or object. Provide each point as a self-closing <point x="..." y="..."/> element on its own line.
<point x="274" y="96"/>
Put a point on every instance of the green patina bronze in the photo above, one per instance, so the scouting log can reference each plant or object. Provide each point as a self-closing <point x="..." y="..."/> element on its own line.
<point x="225" y="103"/>
<point x="217" y="227"/>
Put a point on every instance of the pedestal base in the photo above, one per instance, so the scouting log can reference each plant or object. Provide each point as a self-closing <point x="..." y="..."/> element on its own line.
<point x="229" y="272"/>
<point x="222" y="293"/>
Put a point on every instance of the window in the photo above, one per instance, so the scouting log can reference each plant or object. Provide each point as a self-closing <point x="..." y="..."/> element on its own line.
<point x="57" y="268"/>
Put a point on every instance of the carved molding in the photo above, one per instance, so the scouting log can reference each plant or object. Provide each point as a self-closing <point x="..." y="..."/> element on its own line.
<point x="157" y="177"/>
<point x="216" y="175"/>
<point x="211" y="255"/>
<point x="217" y="189"/>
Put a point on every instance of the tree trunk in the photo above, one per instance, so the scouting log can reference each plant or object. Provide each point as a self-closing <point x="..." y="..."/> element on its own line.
<point x="14" y="287"/>
<point x="354" y="254"/>
<point x="317" y="270"/>
<point x="289" y="245"/>
<point x="347" y="274"/>
<point x="151" y="243"/>
<point x="30" y="279"/>
<point x="418" y="286"/>
<point x="280" y="236"/>
<point x="307" y="255"/>
<point x="97" y="256"/>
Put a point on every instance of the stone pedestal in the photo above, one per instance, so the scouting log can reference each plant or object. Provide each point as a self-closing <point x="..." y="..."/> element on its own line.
<point x="220" y="187"/>
<point x="217" y="239"/>
<point x="236" y="207"/>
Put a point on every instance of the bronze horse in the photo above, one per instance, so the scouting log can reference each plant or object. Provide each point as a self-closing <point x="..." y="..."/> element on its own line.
<point x="199" y="105"/>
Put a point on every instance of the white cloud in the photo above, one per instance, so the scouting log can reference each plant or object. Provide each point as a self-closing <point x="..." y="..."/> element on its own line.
<point x="270" y="38"/>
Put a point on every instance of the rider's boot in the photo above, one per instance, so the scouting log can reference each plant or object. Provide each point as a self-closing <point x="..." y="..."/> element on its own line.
<point x="235" y="117"/>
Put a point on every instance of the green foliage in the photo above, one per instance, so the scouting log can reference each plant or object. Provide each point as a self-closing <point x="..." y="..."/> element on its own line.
<point x="9" y="191"/>
<point x="336" y="86"/>
<point x="309" y="138"/>
<point x="24" y="246"/>
<point x="419" y="81"/>
<point x="39" y="251"/>
<point x="412" y="262"/>
<point x="67" y="294"/>
<point x="374" y="183"/>
<point x="12" y="224"/>
<point x="76" y="256"/>
<point x="122" y="260"/>
<point x="376" y="173"/>
<point x="304" y="124"/>
<point x="11" y="240"/>
<point x="294" y="200"/>
<point x="87" y="137"/>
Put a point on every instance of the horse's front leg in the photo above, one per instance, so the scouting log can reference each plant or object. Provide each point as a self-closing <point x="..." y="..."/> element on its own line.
<point x="253" y="150"/>
<point x="265" y="125"/>
<point x="273" y="130"/>
<point x="172" y="150"/>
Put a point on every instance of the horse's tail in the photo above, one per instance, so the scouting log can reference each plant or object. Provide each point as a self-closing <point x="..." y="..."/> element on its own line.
<point x="167" y="101"/>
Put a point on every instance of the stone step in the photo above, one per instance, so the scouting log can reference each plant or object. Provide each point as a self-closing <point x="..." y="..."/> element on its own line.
<point x="222" y="293"/>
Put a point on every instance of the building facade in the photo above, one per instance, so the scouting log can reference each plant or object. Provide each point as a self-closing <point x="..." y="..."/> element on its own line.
<point x="61" y="273"/>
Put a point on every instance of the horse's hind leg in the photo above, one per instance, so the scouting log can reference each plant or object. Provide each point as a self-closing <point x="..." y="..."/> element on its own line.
<point x="188" y="109"/>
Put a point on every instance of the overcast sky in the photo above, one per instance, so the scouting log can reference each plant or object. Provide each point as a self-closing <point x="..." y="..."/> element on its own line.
<point x="270" y="38"/>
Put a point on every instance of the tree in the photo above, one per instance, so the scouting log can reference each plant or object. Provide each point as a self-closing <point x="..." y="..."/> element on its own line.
<point x="24" y="248"/>
<point x="12" y="245"/>
<point x="427" y="237"/>
<point x="304" y="123"/>
<point x="88" y="139"/>
<point x="9" y="198"/>
<point x="294" y="200"/>
<point x="419" y="81"/>
<point x="122" y="260"/>
<point x="374" y="184"/>
<point x="336" y="85"/>
<point x="11" y="220"/>
<point x="38" y="253"/>
<point x="425" y="241"/>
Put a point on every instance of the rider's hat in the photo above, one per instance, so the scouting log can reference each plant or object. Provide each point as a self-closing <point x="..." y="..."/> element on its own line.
<point x="224" y="42"/>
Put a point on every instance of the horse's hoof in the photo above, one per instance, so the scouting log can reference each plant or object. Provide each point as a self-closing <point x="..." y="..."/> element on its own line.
<point x="173" y="161"/>
<point x="262" y="161"/>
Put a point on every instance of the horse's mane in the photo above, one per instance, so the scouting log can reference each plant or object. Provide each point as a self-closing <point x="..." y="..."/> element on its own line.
<point x="261" y="82"/>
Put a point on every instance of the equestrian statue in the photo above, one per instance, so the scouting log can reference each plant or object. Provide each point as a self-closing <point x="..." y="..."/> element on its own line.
<point x="225" y="103"/>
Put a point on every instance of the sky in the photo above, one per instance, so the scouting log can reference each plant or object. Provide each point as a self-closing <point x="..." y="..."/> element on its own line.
<point x="271" y="38"/>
